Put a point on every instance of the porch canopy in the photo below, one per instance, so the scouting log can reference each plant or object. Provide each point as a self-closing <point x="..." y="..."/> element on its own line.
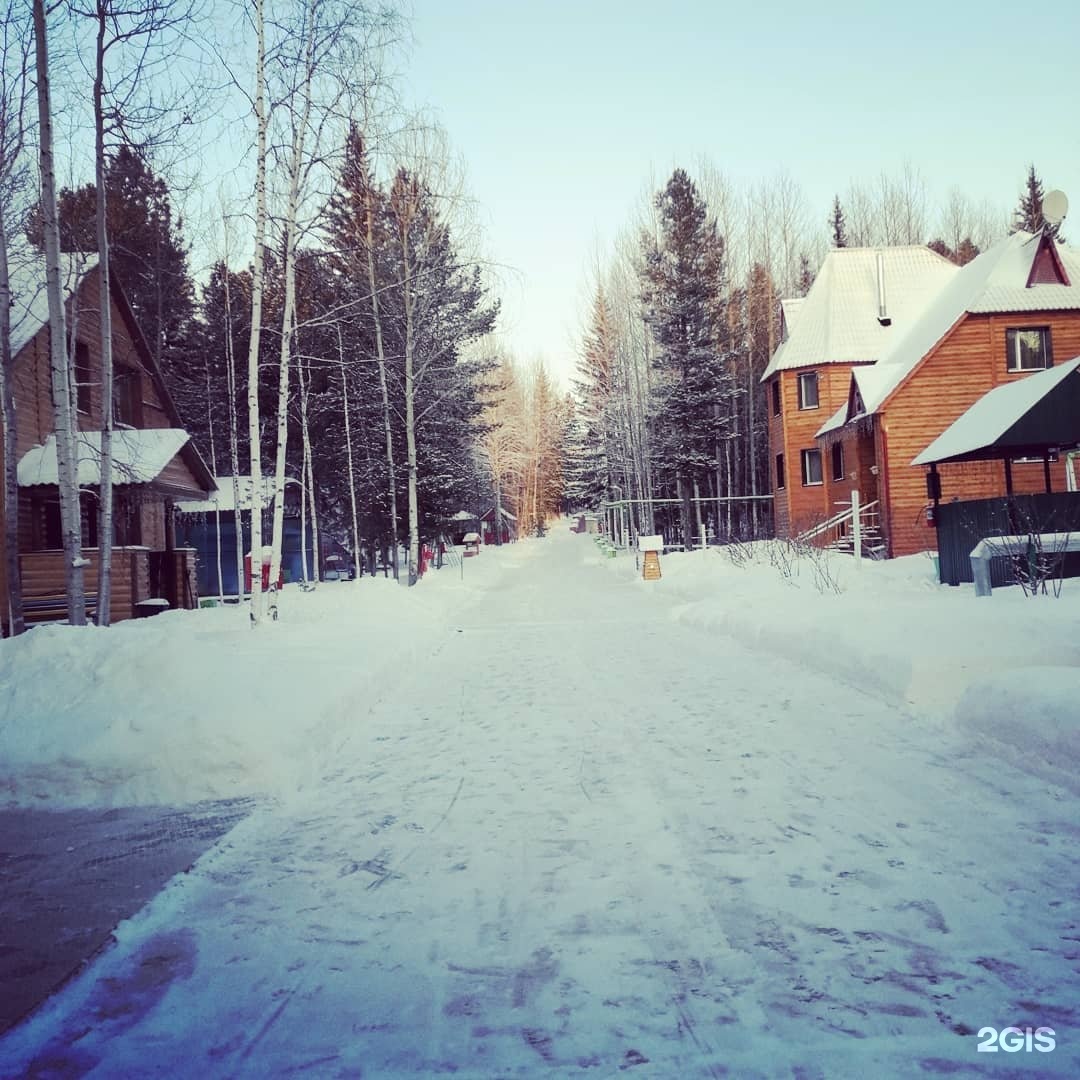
<point x="1032" y="417"/>
<point x="139" y="456"/>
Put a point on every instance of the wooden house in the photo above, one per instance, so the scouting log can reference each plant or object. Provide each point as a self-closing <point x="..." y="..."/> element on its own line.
<point x="1012" y="311"/>
<point x="886" y="351"/>
<point x="861" y="301"/>
<point x="155" y="462"/>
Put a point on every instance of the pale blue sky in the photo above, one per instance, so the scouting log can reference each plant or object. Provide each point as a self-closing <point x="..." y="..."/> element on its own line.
<point x="563" y="111"/>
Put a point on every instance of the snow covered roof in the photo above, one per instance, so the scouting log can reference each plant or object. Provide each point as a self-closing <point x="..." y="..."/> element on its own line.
<point x="222" y="499"/>
<point x="139" y="456"/>
<point x="29" y="300"/>
<point x="837" y="321"/>
<point x="789" y="310"/>
<point x="463" y="515"/>
<point x="995" y="281"/>
<point x="990" y="419"/>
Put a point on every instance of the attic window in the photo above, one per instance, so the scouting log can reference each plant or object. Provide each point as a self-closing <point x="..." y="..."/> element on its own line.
<point x="1046" y="267"/>
<point x="1028" y="349"/>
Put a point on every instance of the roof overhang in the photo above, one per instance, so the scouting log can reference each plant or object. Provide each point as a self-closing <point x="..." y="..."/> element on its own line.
<point x="1027" y="418"/>
<point x="139" y="457"/>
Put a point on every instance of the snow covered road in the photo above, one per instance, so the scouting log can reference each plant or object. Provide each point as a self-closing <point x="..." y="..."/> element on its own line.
<point x="579" y="836"/>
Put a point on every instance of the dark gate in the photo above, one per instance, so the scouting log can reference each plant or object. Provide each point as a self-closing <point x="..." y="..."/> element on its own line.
<point x="961" y="525"/>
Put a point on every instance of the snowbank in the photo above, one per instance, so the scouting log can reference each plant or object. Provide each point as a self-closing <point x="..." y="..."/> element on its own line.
<point x="195" y="705"/>
<point x="1030" y="717"/>
<point x="1002" y="666"/>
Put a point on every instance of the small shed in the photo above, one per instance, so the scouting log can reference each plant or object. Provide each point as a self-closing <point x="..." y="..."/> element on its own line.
<point x="1034" y="417"/>
<point x="507" y="530"/>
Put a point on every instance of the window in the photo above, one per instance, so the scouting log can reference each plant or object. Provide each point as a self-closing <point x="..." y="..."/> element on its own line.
<point x="779" y="472"/>
<point x="808" y="390"/>
<point x="127" y="397"/>
<point x="811" y="467"/>
<point x="776" y="396"/>
<point x="1028" y="349"/>
<point x="838" y="461"/>
<point x="82" y="376"/>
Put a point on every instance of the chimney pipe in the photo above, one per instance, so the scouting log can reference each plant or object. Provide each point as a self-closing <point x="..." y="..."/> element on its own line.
<point x="882" y="311"/>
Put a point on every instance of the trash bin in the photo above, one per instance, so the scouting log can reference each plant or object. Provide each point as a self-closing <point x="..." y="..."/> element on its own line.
<point x="266" y="556"/>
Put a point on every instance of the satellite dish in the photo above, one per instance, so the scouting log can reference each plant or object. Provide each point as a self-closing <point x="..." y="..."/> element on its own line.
<point x="1055" y="206"/>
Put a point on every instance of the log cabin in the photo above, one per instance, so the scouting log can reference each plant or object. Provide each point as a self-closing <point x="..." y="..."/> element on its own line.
<point x="155" y="463"/>
<point x="1009" y="312"/>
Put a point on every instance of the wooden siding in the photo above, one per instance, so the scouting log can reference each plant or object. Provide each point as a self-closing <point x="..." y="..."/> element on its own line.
<point x="33" y="381"/>
<point x="43" y="576"/>
<point x="797" y="506"/>
<point x="968" y="363"/>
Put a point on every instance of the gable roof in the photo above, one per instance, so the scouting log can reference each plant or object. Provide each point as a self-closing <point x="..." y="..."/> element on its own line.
<point x="837" y="321"/>
<point x="30" y="315"/>
<point x="29" y="298"/>
<point x="994" y="282"/>
<point x="1028" y="415"/>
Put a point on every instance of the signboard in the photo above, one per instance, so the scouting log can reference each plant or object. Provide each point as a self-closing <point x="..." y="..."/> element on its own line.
<point x="650" y="543"/>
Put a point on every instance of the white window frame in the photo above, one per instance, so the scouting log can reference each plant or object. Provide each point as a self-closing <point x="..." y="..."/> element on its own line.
<point x="803" y="377"/>
<point x="1012" y="348"/>
<point x="805" y="459"/>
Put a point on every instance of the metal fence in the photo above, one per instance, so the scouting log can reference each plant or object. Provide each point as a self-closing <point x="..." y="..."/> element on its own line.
<point x="961" y="525"/>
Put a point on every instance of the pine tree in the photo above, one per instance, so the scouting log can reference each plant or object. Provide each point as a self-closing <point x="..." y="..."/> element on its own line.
<point x="1028" y="215"/>
<point x="836" y="223"/>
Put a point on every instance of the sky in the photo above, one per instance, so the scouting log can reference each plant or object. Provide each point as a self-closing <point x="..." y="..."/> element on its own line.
<point x="566" y="113"/>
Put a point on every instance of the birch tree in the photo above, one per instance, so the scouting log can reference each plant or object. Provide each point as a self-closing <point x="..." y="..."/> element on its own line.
<point x="16" y="42"/>
<point x="63" y="419"/>
<point x="258" y="268"/>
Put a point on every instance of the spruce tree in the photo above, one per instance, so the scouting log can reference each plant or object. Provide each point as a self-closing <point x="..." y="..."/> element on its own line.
<point x="1028" y="215"/>
<point x="683" y="283"/>
<point x="836" y="223"/>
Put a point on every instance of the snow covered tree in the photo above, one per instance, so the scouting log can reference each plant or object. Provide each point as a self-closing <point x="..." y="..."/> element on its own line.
<point x="594" y="451"/>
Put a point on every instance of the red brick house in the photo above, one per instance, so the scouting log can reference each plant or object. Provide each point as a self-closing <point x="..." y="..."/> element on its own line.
<point x="1013" y="310"/>
<point x="155" y="463"/>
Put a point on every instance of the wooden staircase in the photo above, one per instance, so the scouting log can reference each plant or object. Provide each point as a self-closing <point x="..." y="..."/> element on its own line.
<point x="838" y="534"/>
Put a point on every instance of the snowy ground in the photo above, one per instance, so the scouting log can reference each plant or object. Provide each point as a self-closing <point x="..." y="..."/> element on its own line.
<point x="555" y="819"/>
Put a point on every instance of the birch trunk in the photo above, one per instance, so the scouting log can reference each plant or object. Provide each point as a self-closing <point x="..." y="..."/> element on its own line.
<point x="302" y="383"/>
<point x="15" y="621"/>
<point x="349" y="451"/>
<point x="254" y="425"/>
<point x="316" y="549"/>
<point x="410" y="410"/>
<point x="105" y="500"/>
<point x="289" y="312"/>
<point x="63" y="420"/>
<point x="234" y="439"/>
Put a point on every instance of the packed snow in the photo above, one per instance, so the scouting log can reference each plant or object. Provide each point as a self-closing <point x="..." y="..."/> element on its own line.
<point x="539" y="817"/>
